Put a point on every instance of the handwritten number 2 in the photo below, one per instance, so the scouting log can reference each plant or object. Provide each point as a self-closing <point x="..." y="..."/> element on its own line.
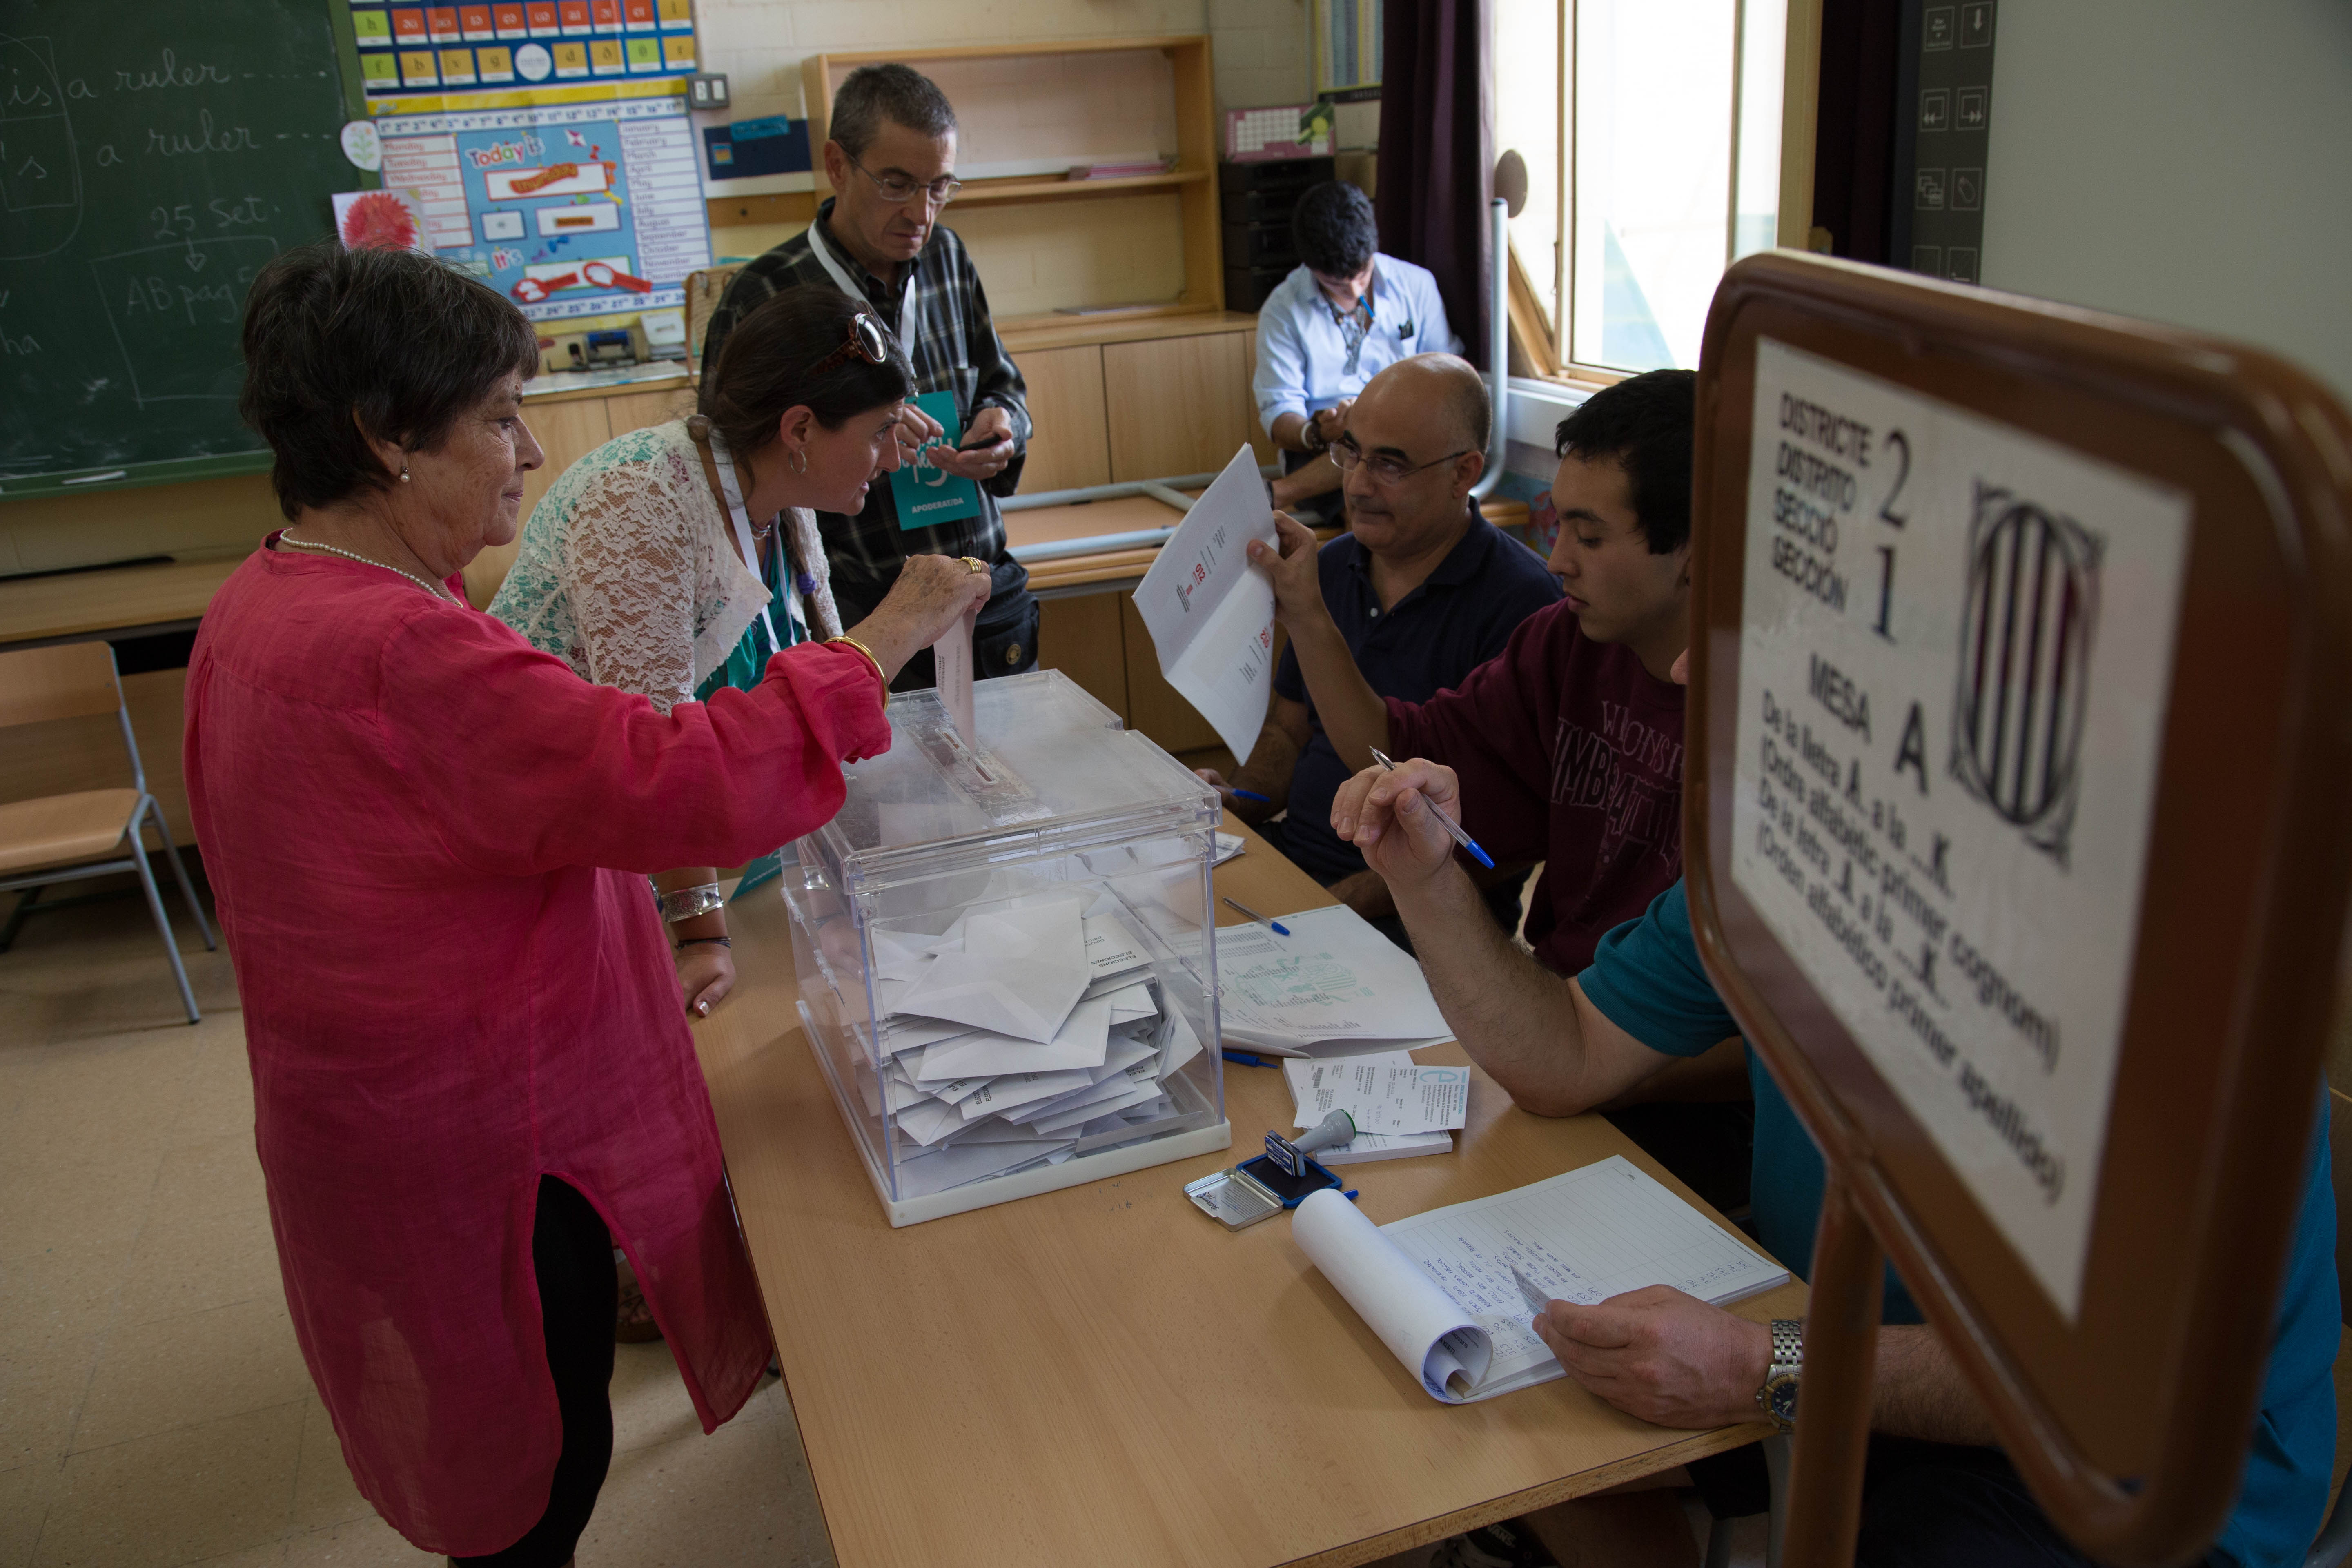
<point x="1886" y="512"/>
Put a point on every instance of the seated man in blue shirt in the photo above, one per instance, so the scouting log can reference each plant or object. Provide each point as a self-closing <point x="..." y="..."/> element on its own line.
<point x="1423" y="590"/>
<point x="1344" y="314"/>
<point x="1937" y="1491"/>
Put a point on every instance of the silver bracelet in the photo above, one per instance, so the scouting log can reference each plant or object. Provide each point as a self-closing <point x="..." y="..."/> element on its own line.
<point x="688" y="902"/>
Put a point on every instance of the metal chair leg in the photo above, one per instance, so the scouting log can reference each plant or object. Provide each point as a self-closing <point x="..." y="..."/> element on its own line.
<point x="1777" y="1451"/>
<point x="17" y="917"/>
<point x="1718" y="1544"/>
<point x="180" y="873"/>
<point x="163" y="923"/>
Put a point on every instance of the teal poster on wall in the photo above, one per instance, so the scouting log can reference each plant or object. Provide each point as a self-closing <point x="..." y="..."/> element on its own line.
<point x="927" y="496"/>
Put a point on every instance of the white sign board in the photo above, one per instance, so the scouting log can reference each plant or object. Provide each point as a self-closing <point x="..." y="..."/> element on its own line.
<point x="1956" y="647"/>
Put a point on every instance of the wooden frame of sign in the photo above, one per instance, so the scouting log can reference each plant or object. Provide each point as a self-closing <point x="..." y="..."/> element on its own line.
<point x="2019" y="850"/>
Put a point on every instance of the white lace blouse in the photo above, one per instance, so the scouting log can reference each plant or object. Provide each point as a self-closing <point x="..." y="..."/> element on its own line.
<point x="627" y="574"/>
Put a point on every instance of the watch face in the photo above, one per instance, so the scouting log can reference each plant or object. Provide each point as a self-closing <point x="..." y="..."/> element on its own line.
<point x="1781" y="1397"/>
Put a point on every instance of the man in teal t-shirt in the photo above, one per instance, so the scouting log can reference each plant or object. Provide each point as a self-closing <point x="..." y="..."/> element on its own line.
<point x="1937" y="1491"/>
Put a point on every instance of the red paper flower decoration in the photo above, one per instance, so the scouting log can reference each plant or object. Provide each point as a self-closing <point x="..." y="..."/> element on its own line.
<point x="379" y="221"/>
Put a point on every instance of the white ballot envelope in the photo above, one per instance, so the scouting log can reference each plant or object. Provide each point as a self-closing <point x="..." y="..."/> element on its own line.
<point x="1210" y="612"/>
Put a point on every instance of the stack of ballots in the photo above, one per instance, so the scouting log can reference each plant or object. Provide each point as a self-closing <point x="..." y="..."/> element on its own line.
<point x="1033" y="1030"/>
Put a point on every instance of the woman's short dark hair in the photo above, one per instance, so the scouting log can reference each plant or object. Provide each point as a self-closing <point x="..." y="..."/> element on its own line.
<point x="764" y="365"/>
<point x="1644" y="425"/>
<point x="1334" y="229"/>
<point x="342" y="345"/>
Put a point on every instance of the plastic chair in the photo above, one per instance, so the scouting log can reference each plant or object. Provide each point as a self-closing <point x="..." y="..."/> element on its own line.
<point x="94" y="833"/>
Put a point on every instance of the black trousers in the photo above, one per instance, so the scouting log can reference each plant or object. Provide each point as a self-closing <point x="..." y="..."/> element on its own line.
<point x="1924" y="1505"/>
<point x="579" y="1300"/>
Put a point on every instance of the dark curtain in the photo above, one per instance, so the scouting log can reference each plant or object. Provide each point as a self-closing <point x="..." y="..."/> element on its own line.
<point x="1437" y="153"/>
<point x="1854" y="141"/>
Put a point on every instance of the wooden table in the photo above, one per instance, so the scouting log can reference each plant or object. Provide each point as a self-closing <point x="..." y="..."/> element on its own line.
<point x="113" y="602"/>
<point x="1102" y="1375"/>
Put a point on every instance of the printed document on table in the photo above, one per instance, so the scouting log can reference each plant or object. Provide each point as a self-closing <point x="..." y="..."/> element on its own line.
<point x="1333" y="978"/>
<point x="1210" y="612"/>
<point x="1387" y="1093"/>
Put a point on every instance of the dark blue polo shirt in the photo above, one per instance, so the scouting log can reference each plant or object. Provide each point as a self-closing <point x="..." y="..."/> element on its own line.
<point x="1456" y="620"/>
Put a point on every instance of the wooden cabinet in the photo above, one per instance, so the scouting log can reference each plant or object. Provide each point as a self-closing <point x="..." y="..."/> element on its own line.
<point x="1081" y="637"/>
<point x="1180" y="406"/>
<point x="1072" y="445"/>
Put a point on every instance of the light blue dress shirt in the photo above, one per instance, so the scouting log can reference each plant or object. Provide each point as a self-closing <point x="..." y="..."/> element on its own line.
<point x="1304" y="363"/>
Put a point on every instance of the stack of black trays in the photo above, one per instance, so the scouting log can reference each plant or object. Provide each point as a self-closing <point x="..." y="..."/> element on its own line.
<point x="1257" y="200"/>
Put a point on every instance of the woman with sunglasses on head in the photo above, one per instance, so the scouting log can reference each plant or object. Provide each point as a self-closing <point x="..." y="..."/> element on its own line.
<point x="674" y="560"/>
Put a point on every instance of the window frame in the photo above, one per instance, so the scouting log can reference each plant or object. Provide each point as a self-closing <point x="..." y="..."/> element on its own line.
<point x="1548" y="354"/>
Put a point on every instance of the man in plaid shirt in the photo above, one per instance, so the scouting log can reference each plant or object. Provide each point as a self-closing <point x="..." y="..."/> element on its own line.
<point x="891" y="157"/>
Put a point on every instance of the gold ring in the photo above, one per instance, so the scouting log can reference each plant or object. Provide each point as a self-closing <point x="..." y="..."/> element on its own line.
<point x="978" y="567"/>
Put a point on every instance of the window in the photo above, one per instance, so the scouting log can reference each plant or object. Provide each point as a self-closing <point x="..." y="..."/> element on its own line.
<point x="1651" y="131"/>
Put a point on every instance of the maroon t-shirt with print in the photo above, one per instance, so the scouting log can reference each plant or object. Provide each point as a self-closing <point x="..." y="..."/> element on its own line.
<point x="1571" y="754"/>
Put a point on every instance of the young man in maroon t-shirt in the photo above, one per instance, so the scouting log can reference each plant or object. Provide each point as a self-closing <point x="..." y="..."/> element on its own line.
<point x="1568" y="744"/>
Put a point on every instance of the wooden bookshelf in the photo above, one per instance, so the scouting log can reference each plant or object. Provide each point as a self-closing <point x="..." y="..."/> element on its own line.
<point x="979" y="81"/>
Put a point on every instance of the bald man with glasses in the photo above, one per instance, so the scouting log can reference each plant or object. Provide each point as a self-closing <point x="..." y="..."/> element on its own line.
<point x="1419" y="592"/>
<point x="890" y="158"/>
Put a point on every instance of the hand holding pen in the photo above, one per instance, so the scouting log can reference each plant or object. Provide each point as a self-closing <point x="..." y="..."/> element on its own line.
<point x="1381" y="812"/>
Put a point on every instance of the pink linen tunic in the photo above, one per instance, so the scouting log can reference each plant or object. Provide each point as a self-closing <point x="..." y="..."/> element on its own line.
<point x="429" y="841"/>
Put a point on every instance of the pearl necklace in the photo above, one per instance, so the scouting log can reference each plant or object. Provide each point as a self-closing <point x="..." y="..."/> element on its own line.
<point x="286" y="538"/>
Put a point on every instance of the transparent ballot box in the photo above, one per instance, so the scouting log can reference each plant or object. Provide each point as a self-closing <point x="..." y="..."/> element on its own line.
<point x="1004" y="953"/>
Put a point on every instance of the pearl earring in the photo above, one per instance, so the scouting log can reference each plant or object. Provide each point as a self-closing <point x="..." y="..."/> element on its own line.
<point x="403" y="473"/>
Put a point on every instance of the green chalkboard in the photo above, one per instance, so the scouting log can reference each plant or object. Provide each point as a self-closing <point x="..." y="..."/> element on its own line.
<point x="153" y="159"/>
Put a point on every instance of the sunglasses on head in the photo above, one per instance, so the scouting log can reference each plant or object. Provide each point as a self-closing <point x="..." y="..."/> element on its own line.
<point x="867" y="341"/>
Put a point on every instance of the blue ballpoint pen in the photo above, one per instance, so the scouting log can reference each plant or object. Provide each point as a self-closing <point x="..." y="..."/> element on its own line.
<point x="1253" y="794"/>
<point x="1453" y="828"/>
<point x="1247" y="1060"/>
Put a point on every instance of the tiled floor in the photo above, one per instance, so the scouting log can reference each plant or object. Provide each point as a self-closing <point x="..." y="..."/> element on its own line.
<point x="154" y="1408"/>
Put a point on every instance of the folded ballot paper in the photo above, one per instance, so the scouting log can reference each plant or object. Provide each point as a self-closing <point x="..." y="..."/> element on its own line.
<point x="1210" y="612"/>
<point x="1030" y="1031"/>
<point x="1437" y="1288"/>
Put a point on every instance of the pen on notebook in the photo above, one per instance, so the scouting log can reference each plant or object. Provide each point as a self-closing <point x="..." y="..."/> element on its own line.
<point x="1453" y="828"/>
<point x="1275" y="926"/>
<point x="1253" y="794"/>
<point x="1247" y="1060"/>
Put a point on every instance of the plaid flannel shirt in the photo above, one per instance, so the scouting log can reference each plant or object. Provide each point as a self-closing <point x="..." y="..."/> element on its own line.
<point x="953" y="344"/>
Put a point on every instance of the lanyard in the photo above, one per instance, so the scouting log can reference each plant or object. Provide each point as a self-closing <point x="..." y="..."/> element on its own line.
<point x="726" y="466"/>
<point x="1355" y="339"/>
<point x="823" y="254"/>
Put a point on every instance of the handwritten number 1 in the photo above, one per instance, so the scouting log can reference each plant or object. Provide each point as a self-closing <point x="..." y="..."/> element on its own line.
<point x="1885" y="590"/>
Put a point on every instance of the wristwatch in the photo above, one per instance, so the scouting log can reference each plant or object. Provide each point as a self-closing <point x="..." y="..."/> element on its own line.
<point x="1312" y="437"/>
<point x="1777" y="1397"/>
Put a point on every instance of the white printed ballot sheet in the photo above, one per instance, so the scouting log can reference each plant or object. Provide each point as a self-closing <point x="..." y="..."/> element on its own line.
<point x="1388" y="1094"/>
<point x="1437" y="1288"/>
<point x="1210" y="612"/>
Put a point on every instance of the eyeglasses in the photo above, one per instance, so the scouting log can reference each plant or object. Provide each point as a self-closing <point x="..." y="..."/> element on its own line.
<point x="1385" y="470"/>
<point x="897" y="188"/>
<point x="867" y="341"/>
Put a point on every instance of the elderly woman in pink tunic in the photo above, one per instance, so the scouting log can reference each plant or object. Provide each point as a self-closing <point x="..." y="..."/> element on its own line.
<point x="472" y="1076"/>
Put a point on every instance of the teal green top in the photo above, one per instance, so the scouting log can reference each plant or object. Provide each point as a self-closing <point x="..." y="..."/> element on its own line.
<point x="748" y="661"/>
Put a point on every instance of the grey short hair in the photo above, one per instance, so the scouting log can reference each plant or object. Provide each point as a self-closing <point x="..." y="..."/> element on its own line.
<point x="899" y="94"/>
